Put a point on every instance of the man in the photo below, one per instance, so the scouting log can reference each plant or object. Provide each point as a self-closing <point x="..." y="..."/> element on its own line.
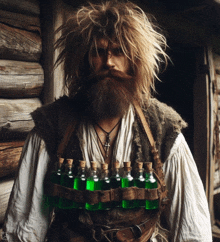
<point x="111" y="54"/>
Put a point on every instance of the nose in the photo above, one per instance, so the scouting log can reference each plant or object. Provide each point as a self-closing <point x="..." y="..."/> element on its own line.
<point x="110" y="60"/>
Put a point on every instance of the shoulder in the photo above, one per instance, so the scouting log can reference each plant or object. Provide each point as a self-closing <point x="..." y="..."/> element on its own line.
<point x="51" y="120"/>
<point x="163" y="114"/>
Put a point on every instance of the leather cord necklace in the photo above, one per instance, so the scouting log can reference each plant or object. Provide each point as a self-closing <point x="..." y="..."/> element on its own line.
<point x="107" y="145"/>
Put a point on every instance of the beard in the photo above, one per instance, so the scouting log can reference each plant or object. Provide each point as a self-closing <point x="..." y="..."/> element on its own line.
<point x="104" y="95"/>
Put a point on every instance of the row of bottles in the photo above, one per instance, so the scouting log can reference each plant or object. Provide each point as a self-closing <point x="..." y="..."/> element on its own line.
<point x="105" y="182"/>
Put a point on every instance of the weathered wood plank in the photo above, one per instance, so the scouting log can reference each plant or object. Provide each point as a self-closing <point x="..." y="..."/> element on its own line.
<point x="22" y="21"/>
<point x="20" y="67"/>
<point x="20" y="79"/>
<point x="10" y="153"/>
<point x="18" y="44"/>
<point x="15" y="118"/>
<point x="30" y="7"/>
<point x="5" y="191"/>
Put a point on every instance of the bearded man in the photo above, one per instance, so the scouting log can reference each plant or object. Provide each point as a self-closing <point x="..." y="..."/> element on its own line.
<point x="111" y="54"/>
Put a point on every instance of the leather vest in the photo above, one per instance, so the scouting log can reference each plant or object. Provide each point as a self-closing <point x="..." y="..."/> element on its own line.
<point x="52" y="120"/>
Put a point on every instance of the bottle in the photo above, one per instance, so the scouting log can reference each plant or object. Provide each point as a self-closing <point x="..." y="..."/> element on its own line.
<point x="93" y="184"/>
<point x="115" y="181"/>
<point x="104" y="185"/>
<point x="55" y="177"/>
<point x="139" y="181"/>
<point x="127" y="181"/>
<point x="67" y="180"/>
<point x="150" y="183"/>
<point x="80" y="182"/>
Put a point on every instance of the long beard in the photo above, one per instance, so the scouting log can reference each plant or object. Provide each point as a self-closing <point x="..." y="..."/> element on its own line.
<point x="107" y="94"/>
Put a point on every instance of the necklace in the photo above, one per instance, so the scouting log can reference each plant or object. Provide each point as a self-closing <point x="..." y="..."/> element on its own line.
<point x="107" y="145"/>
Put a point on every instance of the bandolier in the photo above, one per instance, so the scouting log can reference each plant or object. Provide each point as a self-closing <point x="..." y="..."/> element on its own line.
<point x="155" y="129"/>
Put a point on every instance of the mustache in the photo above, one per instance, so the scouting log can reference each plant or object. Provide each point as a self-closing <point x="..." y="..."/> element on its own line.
<point x="111" y="74"/>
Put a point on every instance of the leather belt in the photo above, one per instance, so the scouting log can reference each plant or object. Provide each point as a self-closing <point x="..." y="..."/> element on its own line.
<point x="136" y="233"/>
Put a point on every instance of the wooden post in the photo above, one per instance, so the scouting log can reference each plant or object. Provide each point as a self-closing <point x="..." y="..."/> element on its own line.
<point x="213" y="101"/>
<point x="52" y="16"/>
<point x="201" y="118"/>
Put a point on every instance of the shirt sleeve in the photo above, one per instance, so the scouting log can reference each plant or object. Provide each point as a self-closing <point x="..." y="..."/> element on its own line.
<point x="188" y="214"/>
<point x="27" y="219"/>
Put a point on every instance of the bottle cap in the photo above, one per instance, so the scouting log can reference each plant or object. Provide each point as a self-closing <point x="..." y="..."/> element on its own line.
<point x="69" y="162"/>
<point x="116" y="164"/>
<point x="93" y="165"/>
<point x="60" y="162"/>
<point x="140" y="165"/>
<point x="104" y="166"/>
<point x="127" y="165"/>
<point x="148" y="166"/>
<point x="82" y="164"/>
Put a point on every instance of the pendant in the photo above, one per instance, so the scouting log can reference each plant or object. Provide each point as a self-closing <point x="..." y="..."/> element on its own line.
<point x="107" y="145"/>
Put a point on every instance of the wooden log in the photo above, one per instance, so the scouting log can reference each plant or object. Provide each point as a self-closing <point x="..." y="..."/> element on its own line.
<point x="18" y="44"/>
<point x="30" y="7"/>
<point x="22" y="21"/>
<point x="5" y="191"/>
<point x="15" y="118"/>
<point x="10" y="153"/>
<point x="20" y="79"/>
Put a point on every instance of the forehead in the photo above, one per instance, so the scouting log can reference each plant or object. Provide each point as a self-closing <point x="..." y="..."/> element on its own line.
<point x="104" y="43"/>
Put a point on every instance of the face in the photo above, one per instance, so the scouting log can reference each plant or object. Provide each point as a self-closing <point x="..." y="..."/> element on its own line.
<point x="109" y="56"/>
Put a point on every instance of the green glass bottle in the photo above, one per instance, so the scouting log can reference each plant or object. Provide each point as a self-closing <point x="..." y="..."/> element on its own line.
<point x="139" y="181"/>
<point x="55" y="177"/>
<point x="80" y="182"/>
<point x="104" y="185"/>
<point x="115" y="181"/>
<point x="67" y="180"/>
<point x="92" y="184"/>
<point x="150" y="183"/>
<point x="127" y="181"/>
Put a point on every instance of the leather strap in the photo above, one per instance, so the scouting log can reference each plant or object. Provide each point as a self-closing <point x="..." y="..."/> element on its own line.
<point x="144" y="123"/>
<point x="66" y="138"/>
<point x="94" y="197"/>
<point x="140" y="232"/>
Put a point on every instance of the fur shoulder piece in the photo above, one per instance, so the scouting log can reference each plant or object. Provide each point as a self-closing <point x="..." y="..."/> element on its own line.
<point x="165" y="124"/>
<point x="51" y="121"/>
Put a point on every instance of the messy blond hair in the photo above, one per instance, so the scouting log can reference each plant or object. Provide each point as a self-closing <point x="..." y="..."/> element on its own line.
<point x="124" y="23"/>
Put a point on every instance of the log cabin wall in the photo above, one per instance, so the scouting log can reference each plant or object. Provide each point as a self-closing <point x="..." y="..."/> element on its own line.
<point x="21" y="84"/>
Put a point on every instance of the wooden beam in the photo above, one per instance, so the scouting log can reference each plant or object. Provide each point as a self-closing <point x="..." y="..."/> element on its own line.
<point x="30" y="7"/>
<point x="22" y="21"/>
<point x="15" y="118"/>
<point x="10" y="153"/>
<point x="20" y="79"/>
<point x="17" y="44"/>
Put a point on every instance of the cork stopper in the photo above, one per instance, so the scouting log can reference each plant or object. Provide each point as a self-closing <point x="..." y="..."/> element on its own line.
<point x="116" y="164"/>
<point x="60" y="162"/>
<point x="148" y="166"/>
<point x="69" y="162"/>
<point x="127" y="165"/>
<point x="94" y="165"/>
<point x="104" y="166"/>
<point x="82" y="164"/>
<point x="140" y="165"/>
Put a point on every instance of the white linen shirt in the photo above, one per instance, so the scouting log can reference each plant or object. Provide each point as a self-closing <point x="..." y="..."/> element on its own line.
<point x="188" y="216"/>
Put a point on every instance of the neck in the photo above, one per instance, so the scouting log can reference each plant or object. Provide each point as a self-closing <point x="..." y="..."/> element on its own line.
<point x="108" y="124"/>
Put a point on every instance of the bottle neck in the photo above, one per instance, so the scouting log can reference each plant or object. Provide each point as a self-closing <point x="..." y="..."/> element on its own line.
<point x="140" y="173"/>
<point x="127" y="173"/>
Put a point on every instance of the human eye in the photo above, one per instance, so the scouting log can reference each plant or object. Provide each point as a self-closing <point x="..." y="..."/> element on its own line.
<point x="98" y="52"/>
<point x="118" y="51"/>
